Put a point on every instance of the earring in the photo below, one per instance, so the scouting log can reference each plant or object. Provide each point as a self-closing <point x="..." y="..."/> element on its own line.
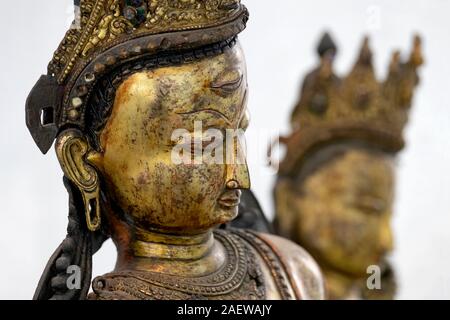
<point x="92" y="208"/>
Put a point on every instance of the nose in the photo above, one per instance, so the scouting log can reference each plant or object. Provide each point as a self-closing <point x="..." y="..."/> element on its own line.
<point x="237" y="175"/>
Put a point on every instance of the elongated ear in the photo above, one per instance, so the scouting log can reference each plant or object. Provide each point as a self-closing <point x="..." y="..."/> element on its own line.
<point x="72" y="150"/>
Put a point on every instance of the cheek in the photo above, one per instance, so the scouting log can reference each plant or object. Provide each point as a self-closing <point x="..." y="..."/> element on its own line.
<point x="132" y="181"/>
<point x="182" y="188"/>
<point x="333" y="229"/>
<point x="356" y="236"/>
<point x="195" y="186"/>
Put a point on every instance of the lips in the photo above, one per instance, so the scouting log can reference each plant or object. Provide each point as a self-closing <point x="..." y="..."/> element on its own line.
<point x="230" y="199"/>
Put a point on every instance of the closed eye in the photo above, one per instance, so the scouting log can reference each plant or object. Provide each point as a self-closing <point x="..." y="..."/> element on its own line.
<point x="228" y="86"/>
<point x="371" y="204"/>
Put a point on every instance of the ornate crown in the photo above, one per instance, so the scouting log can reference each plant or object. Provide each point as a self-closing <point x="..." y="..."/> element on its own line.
<point x="356" y="107"/>
<point x="107" y="33"/>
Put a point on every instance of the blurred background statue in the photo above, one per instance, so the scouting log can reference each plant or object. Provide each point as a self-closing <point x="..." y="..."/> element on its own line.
<point x="335" y="189"/>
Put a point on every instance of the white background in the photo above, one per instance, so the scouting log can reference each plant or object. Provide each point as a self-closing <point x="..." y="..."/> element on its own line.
<point x="279" y="44"/>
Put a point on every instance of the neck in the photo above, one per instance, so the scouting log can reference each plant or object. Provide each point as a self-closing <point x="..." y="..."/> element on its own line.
<point x="185" y="255"/>
<point x="162" y="246"/>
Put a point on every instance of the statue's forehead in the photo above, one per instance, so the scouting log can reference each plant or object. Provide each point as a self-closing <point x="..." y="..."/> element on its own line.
<point x="359" y="166"/>
<point x="216" y="86"/>
<point x="355" y="170"/>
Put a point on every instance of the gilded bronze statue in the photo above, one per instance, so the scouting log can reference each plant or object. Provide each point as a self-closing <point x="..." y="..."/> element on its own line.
<point x="334" y="192"/>
<point x="120" y="84"/>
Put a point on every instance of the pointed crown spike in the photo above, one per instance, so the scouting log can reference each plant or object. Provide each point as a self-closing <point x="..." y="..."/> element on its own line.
<point x="365" y="55"/>
<point x="416" y="58"/>
<point x="326" y="45"/>
<point x="354" y="107"/>
<point x="395" y="62"/>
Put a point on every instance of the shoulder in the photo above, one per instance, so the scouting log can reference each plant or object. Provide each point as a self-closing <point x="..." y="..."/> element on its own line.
<point x="303" y="270"/>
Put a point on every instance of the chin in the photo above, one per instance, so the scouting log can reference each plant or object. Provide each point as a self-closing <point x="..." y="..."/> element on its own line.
<point x="226" y="214"/>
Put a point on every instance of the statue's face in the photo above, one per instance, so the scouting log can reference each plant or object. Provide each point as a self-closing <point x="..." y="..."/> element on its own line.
<point x="137" y="162"/>
<point x="344" y="211"/>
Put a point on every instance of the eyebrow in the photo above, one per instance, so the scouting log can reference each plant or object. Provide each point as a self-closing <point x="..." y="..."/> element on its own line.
<point x="213" y="111"/>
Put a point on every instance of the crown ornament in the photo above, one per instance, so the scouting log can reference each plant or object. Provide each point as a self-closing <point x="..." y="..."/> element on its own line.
<point x="109" y="33"/>
<point x="356" y="107"/>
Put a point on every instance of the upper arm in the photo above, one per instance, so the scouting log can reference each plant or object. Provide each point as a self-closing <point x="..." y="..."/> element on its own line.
<point x="303" y="270"/>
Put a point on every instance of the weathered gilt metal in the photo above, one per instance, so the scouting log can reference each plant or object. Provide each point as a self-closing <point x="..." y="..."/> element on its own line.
<point x="117" y="89"/>
<point x="334" y="192"/>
